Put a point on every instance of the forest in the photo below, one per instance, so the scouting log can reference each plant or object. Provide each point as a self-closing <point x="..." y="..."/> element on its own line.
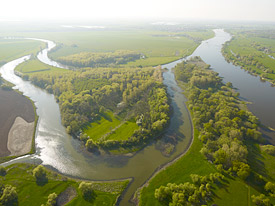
<point x="113" y="98"/>
<point x="107" y="59"/>
<point x="225" y="130"/>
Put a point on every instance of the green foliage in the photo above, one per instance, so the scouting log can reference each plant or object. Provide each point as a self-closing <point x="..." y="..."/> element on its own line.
<point x="86" y="190"/>
<point x="9" y="196"/>
<point x="40" y="174"/>
<point x="260" y="200"/>
<point x="269" y="149"/>
<point x="223" y="125"/>
<point x="91" y="59"/>
<point x="52" y="199"/>
<point x="270" y="187"/>
<point x="198" y="193"/>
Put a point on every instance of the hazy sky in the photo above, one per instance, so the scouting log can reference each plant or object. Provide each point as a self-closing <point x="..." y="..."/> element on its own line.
<point x="262" y="10"/>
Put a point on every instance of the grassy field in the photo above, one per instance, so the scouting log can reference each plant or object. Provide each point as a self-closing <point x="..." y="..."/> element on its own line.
<point x="111" y="128"/>
<point x="11" y="49"/>
<point x="30" y="193"/>
<point x="158" y="46"/>
<point x="123" y="132"/>
<point x="34" y="65"/>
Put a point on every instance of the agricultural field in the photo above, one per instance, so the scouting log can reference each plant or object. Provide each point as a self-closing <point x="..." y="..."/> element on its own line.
<point x="155" y="47"/>
<point x="207" y="165"/>
<point x="11" y="49"/>
<point x="254" y="51"/>
<point x="31" y="190"/>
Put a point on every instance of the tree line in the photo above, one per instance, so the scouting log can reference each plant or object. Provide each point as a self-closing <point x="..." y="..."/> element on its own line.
<point x="100" y="59"/>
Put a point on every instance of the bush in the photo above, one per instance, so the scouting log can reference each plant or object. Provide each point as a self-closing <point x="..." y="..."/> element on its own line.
<point x="40" y="174"/>
<point x="9" y="196"/>
<point x="260" y="200"/>
<point x="86" y="190"/>
<point x="3" y="171"/>
<point x="269" y="149"/>
<point x="51" y="199"/>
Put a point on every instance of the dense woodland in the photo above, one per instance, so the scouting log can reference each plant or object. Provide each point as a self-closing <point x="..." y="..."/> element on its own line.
<point x="88" y="94"/>
<point x="92" y="59"/>
<point x="224" y="128"/>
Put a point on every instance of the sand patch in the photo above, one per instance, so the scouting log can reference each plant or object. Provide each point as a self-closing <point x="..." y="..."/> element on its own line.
<point x="20" y="137"/>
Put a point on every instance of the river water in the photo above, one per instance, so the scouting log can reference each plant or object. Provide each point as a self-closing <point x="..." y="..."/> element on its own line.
<point x="260" y="94"/>
<point x="56" y="149"/>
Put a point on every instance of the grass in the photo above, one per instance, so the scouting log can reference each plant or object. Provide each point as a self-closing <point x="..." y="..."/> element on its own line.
<point x="34" y="65"/>
<point x="159" y="46"/>
<point x="192" y="162"/>
<point x="125" y="131"/>
<point x="111" y="128"/>
<point x="30" y="193"/>
<point x="11" y="49"/>
<point x="104" y="125"/>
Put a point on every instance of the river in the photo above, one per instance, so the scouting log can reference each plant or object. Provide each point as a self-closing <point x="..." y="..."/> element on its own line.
<point x="56" y="149"/>
<point x="261" y="94"/>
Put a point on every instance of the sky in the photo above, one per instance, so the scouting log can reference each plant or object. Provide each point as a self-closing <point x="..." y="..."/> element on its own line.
<point x="234" y="10"/>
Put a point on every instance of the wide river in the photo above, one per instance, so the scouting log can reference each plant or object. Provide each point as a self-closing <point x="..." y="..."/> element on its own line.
<point x="58" y="150"/>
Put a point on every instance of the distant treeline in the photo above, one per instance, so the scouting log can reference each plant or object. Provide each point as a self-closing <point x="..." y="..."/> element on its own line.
<point x="97" y="59"/>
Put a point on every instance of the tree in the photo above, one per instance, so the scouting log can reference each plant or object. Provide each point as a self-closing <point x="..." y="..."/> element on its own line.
<point x="260" y="200"/>
<point x="51" y="199"/>
<point x="163" y="194"/>
<point x="90" y="145"/>
<point x="40" y="174"/>
<point x="9" y="196"/>
<point x="270" y="187"/>
<point x="3" y="171"/>
<point x="86" y="190"/>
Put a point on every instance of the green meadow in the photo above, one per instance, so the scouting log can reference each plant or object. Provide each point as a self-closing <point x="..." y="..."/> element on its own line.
<point x="32" y="193"/>
<point x="110" y="127"/>
<point x="11" y="49"/>
<point x="34" y="65"/>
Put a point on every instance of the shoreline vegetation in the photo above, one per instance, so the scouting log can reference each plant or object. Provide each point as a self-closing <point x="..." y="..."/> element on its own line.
<point x="210" y="174"/>
<point x="253" y="51"/>
<point x="33" y="185"/>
